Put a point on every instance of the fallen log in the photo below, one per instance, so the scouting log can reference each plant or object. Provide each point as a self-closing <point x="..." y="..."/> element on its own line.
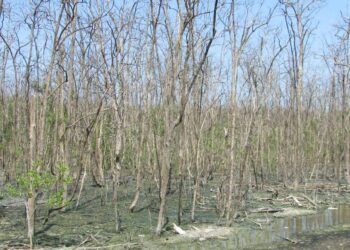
<point x="292" y="212"/>
<point x="309" y="200"/>
<point x="178" y="229"/>
<point x="203" y="233"/>
<point x="264" y="199"/>
<point x="256" y="223"/>
<point x="266" y="210"/>
<point x="288" y="239"/>
<point x="295" y="199"/>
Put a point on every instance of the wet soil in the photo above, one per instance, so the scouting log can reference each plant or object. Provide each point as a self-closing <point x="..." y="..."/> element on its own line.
<point x="92" y="225"/>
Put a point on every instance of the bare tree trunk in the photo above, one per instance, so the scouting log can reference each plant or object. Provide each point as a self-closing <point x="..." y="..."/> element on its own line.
<point x="71" y="96"/>
<point x="232" y="163"/>
<point x="31" y="201"/>
<point x="300" y="68"/>
<point x="98" y="171"/>
<point x="139" y="166"/>
<point x="47" y="85"/>
<point x="239" y="36"/>
<point x="153" y="18"/>
<point x="116" y="169"/>
<point x="181" y="172"/>
<point x="164" y="173"/>
<point x="30" y="211"/>
<point x="31" y="126"/>
<point x="3" y="112"/>
<point x="169" y="105"/>
<point x="298" y="23"/>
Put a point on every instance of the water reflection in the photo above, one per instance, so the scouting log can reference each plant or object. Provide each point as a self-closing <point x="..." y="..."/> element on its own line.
<point x="284" y="227"/>
<point x="287" y="227"/>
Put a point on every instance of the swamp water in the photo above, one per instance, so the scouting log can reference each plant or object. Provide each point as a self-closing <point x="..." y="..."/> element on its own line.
<point x="322" y="230"/>
<point x="93" y="225"/>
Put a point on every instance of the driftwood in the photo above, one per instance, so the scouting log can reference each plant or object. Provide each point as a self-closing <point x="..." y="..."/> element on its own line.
<point x="291" y="212"/>
<point x="178" y="229"/>
<point x="266" y="210"/>
<point x="195" y="228"/>
<point x="295" y="199"/>
<point x="87" y="239"/>
<point x="203" y="233"/>
<point x="309" y="200"/>
<point x="332" y="208"/>
<point x="288" y="239"/>
<point x="254" y="222"/>
<point x="264" y="199"/>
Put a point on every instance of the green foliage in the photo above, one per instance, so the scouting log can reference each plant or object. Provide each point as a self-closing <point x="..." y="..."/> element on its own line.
<point x="7" y="131"/>
<point x="270" y="152"/>
<point x="51" y="114"/>
<point x="159" y="126"/>
<point x="55" y="199"/>
<point x="29" y="182"/>
<point x="13" y="191"/>
<point x="19" y="152"/>
<point x="34" y="181"/>
<point x="310" y="138"/>
<point x="62" y="169"/>
<point x="214" y="141"/>
<point x="158" y="121"/>
<point x="128" y="156"/>
<point x="215" y="144"/>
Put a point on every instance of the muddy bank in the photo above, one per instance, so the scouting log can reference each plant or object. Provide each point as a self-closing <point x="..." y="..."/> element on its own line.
<point x="264" y="221"/>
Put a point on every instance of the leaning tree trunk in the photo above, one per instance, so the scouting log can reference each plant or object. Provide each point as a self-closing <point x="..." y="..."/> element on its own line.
<point x="164" y="177"/>
<point x="139" y="164"/>
<point x="71" y="92"/>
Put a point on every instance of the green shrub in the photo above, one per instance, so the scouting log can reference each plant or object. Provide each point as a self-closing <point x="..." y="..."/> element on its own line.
<point x="34" y="181"/>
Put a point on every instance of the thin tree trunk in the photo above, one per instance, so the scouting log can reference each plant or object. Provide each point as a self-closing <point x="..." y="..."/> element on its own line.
<point x="70" y="107"/>
<point x="139" y="165"/>
<point x="232" y="162"/>
<point x="30" y="204"/>
<point x="47" y="85"/>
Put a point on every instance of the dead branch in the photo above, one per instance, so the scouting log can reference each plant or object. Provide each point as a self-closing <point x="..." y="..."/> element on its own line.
<point x="295" y="199"/>
<point x="254" y="222"/>
<point x="288" y="239"/>
<point x="309" y="200"/>
<point x="178" y="229"/>
<point x="266" y="210"/>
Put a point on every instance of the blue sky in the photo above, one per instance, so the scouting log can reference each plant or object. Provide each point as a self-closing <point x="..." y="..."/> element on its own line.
<point x="329" y="15"/>
<point x="327" y="18"/>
